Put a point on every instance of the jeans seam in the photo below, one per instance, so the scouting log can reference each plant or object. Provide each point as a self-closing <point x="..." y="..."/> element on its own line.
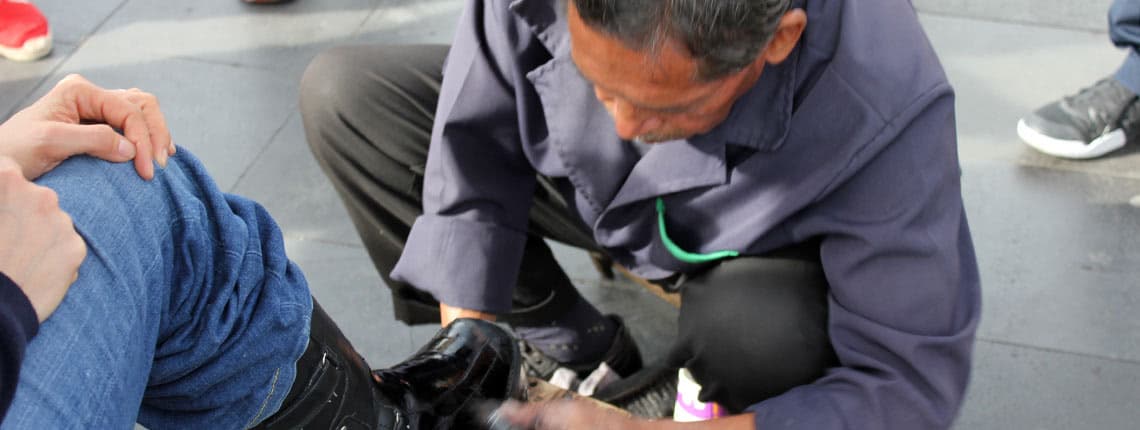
<point x="265" y="402"/>
<point x="276" y="373"/>
<point x="273" y="384"/>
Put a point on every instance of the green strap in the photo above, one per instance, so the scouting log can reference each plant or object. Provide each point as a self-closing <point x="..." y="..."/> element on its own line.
<point x="681" y="254"/>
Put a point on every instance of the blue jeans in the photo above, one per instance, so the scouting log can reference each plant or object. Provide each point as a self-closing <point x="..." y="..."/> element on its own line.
<point x="186" y="314"/>
<point x="1124" y="29"/>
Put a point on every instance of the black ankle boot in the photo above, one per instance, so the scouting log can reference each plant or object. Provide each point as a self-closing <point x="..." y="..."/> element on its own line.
<point x="334" y="388"/>
<point x="440" y="386"/>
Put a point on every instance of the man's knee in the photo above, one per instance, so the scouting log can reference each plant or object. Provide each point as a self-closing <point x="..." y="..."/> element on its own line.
<point x="363" y="78"/>
<point x="378" y="96"/>
<point x="328" y="82"/>
<point x="752" y="328"/>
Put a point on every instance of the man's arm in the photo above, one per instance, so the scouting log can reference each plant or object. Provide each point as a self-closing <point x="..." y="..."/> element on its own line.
<point x="905" y="294"/>
<point x="18" y="324"/>
<point x="478" y="184"/>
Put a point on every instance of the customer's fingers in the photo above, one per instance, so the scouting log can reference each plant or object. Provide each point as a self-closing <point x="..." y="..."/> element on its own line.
<point x="96" y="140"/>
<point x="156" y="123"/>
<point x="94" y="104"/>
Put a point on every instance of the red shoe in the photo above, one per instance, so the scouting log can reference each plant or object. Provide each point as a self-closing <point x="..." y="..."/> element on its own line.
<point x="24" y="34"/>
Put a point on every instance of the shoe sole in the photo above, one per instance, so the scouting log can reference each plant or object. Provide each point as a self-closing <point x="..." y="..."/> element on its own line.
<point x="517" y="376"/>
<point x="1071" y="149"/>
<point x="32" y="50"/>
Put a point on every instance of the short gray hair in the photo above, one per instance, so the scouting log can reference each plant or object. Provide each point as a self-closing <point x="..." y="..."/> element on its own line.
<point x="724" y="36"/>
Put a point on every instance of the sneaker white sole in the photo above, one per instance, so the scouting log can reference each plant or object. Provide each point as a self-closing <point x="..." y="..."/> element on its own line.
<point x="1073" y="149"/>
<point x="32" y="50"/>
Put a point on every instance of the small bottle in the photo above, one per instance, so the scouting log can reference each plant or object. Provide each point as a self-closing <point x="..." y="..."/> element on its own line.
<point x="688" y="408"/>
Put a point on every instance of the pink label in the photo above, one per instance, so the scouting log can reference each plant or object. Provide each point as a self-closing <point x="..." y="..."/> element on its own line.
<point x="698" y="409"/>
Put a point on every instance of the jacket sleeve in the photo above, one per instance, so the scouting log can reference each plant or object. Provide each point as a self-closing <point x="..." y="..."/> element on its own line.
<point x="905" y="294"/>
<point x="18" y="324"/>
<point x="478" y="184"/>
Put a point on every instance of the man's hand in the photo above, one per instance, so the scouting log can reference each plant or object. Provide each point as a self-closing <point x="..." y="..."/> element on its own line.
<point x="39" y="248"/>
<point x="77" y="117"/>
<point x="582" y="414"/>
<point x="566" y="415"/>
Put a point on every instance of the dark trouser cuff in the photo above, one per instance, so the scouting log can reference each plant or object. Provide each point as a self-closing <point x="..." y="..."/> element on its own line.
<point x="1129" y="72"/>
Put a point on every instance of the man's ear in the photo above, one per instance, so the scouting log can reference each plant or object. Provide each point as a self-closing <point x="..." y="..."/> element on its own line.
<point x="787" y="35"/>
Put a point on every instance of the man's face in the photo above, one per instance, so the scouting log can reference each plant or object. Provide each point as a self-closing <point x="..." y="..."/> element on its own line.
<point x="653" y="95"/>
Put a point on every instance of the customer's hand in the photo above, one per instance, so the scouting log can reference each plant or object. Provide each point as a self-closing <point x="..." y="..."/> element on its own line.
<point x="39" y="248"/>
<point x="77" y="117"/>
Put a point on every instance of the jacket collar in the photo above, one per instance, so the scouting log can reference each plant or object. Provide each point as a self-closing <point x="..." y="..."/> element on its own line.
<point x="547" y="19"/>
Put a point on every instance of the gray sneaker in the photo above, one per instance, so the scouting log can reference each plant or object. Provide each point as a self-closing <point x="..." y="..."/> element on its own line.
<point x="1094" y="122"/>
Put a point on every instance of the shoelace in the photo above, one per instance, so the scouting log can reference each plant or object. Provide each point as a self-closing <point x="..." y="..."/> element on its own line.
<point x="1096" y="108"/>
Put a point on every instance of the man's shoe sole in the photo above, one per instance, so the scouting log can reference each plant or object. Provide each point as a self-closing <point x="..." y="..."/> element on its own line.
<point x="33" y="49"/>
<point x="1071" y="149"/>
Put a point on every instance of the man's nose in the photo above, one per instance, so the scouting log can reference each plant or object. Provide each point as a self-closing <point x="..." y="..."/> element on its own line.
<point x="631" y="122"/>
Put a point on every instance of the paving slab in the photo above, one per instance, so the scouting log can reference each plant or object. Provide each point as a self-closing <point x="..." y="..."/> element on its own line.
<point x="225" y="115"/>
<point x="1029" y="389"/>
<point x="288" y="182"/>
<point x="430" y="21"/>
<point x="1089" y="15"/>
<point x="281" y="37"/>
<point x="352" y="293"/>
<point x="1058" y="256"/>
<point x="18" y="80"/>
<point x="1002" y="72"/>
<point x="72" y="21"/>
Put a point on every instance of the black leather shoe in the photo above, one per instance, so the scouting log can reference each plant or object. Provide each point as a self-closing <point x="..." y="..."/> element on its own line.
<point x="467" y="361"/>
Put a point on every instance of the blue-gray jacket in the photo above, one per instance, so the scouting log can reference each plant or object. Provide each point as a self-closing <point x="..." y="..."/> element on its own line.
<point x="850" y="141"/>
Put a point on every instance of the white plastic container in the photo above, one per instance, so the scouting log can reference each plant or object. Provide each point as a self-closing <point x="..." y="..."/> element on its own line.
<point x="688" y="408"/>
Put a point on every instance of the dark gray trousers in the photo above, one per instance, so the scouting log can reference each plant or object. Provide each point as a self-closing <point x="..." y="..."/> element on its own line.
<point x="749" y="328"/>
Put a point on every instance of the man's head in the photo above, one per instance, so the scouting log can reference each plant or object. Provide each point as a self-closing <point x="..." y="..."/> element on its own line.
<point x="670" y="69"/>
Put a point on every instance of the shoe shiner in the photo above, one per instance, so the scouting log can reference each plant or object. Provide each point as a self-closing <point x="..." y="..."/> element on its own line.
<point x="789" y="166"/>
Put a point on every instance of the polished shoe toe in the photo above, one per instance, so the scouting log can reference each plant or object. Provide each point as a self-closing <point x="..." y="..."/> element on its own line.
<point x="467" y="361"/>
